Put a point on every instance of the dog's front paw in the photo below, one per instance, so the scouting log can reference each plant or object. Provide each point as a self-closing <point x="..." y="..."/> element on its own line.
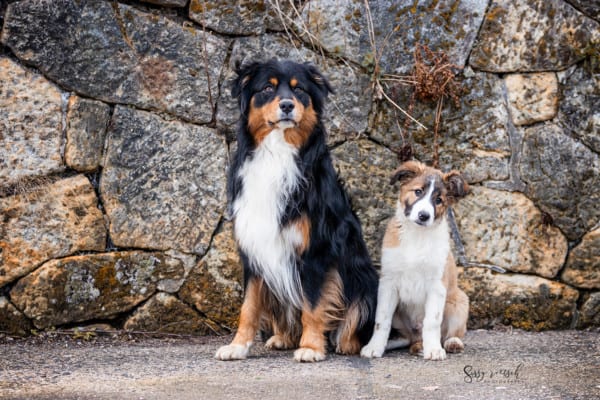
<point x="371" y="351"/>
<point x="306" y="354"/>
<point x="232" y="352"/>
<point x="435" y="354"/>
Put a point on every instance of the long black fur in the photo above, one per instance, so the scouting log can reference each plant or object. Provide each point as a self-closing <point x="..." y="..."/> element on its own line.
<point x="336" y="237"/>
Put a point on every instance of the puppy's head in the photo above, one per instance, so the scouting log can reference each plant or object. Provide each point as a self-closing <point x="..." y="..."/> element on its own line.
<point x="280" y="95"/>
<point x="426" y="193"/>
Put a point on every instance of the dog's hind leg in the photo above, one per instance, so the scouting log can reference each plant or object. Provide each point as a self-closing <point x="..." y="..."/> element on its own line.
<point x="347" y="341"/>
<point x="319" y="318"/>
<point x="454" y="325"/>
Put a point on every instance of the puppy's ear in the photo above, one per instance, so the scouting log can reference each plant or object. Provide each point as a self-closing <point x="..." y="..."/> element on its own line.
<point x="318" y="78"/>
<point x="406" y="172"/>
<point x="456" y="185"/>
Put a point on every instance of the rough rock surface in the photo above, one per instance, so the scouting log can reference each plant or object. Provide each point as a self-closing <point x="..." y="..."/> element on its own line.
<point x="473" y="138"/>
<point x="366" y="168"/>
<point x="120" y="54"/>
<point x="87" y="121"/>
<point x="560" y="39"/>
<point x="554" y="166"/>
<point x="234" y="17"/>
<point x="163" y="182"/>
<point x="30" y="124"/>
<point x="579" y="110"/>
<point x="168" y="3"/>
<point x="523" y="301"/>
<point x="583" y="265"/>
<point x="590" y="311"/>
<point x="164" y="313"/>
<point x="53" y="221"/>
<point x="532" y="97"/>
<point x="214" y="286"/>
<point x="341" y="28"/>
<point x="12" y="321"/>
<point x="90" y="287"/>
<point x="506" y="229"/>
<point x="591" y="8"/>
<point x="347" y="110"/>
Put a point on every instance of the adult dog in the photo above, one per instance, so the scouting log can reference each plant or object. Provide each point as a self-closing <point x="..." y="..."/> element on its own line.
<point x="418" y="292"/>
<point x="307" y="272"/>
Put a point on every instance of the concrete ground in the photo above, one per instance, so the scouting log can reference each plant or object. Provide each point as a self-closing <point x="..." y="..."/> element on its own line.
<point x="495" y="365"/>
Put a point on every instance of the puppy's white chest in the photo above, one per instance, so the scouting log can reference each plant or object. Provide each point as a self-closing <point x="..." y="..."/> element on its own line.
<point x="417" y="262"/>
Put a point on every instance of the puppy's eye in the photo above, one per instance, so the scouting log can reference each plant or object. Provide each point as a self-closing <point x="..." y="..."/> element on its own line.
<point x="418" y="192"/>
<point x="438" y="201"/>
<point x="298" y="90"/>
<point x="268" y="89"/>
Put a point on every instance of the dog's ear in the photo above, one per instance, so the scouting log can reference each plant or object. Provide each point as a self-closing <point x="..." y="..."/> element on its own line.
<point x="244" y="75"/>
<point x="456" y="185"/>
<point x="318" y="78"/>
<point x="406" y="172"/>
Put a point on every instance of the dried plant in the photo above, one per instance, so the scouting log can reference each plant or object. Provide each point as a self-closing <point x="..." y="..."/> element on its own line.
<point x="433" y="79"/>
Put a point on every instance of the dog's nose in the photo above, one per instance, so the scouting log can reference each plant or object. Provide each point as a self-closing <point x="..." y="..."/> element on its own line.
<point x="287" y="106"/>
<point x="423" y="216"/>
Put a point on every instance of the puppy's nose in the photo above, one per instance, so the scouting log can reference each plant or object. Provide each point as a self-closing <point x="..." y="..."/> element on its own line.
<point x="423" y="216"/>
<point x="287" y="106"/>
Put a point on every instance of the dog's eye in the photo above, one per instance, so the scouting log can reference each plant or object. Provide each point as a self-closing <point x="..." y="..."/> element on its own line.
<point x="268" y="89"/>
<point x="298" y="90"/>
<point x="438" y="201"/>
<point x="418" y="192"/>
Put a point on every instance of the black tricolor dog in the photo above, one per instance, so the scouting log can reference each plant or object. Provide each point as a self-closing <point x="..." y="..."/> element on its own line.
<point x="307" y="272"/>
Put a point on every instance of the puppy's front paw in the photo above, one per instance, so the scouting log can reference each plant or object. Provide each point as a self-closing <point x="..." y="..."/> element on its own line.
<point x="232" y="352"/>
<point x="306" y="354"/>
<point x="371" y="351"/>
<point x="435" y="354"/>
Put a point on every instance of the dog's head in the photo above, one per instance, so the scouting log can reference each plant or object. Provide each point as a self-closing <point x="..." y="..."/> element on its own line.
<point x="426" y="193"/>
<point x="280" y="95"/>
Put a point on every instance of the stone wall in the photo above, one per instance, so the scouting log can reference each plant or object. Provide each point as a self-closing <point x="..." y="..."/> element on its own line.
<point x="116" y="126"/>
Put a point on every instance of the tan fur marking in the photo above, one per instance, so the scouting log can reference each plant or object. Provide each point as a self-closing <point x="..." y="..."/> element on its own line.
<point x="348" y="341"/>
<point x="273" y="81"/>
<point x="293" y="83"/>
<point x="325" y="316"/>
<point x="306" y="119"/>
<point x="250" y="314"/>
<point x="303" y="226"/>
<point x="392" y="234"/>
<point x="259" y="118"/>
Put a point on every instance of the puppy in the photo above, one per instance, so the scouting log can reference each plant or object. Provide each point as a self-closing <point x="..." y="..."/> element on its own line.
<point x="418" y="294"/>
<point x="307" y="272"/>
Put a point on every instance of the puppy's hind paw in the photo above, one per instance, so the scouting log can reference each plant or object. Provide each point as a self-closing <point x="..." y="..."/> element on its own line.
<point x="370" y="351"/>
<point x="454" y="345"/>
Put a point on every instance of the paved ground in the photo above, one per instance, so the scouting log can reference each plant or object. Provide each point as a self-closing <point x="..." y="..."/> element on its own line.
<point x="495" y="365"/>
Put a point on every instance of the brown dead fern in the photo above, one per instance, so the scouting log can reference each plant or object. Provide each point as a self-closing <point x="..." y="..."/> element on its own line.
<point x="433" y="79"/>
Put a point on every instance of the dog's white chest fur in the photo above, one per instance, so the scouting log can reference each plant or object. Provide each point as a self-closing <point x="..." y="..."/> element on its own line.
<point x="416" y="262"/>
<point x="269" y="177"/>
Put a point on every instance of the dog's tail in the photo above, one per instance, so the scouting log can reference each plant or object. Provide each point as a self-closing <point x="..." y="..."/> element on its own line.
<point x="360" y="287"/>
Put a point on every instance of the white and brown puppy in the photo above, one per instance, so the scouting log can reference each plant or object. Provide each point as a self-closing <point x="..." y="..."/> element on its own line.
<point x="418" y="294"/>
